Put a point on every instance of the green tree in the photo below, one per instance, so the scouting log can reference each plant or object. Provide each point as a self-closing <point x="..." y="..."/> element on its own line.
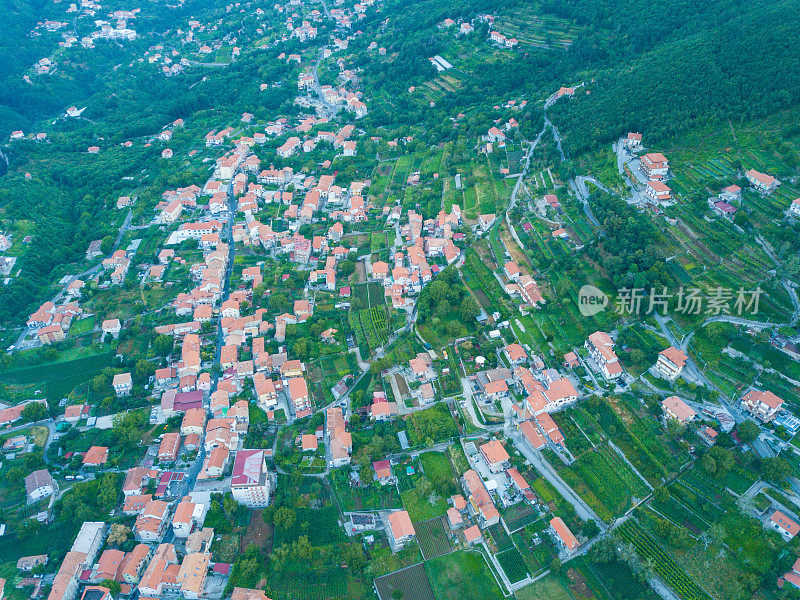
<point x="284" y="518"/>
<point x="34" y="411"/>
<point x="112" y="586"/>
<point x="108" y="490"/>
<point x="749" y="431"/>
<point x="107" y="244"/>
<point x="163" y="345"/>
<point x="555" y="565"/>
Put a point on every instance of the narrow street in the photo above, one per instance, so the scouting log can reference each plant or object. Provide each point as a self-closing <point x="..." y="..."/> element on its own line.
<point x="583" y="510"/>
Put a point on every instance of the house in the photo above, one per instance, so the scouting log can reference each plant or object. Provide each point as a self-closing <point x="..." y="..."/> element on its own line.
<point x="486" y="221"/>
<point x="309" y="442"/>
<point x="65" y="582"/>
<point x="151" y="523"/>
<point x="794" y="209"/>
<point x="123" y="384"/>
<point x="763" y="405"/>
<point x="134" y="505"/>
<point x="266" y="394"/>
<point x="511" y="270"/>
<point x="215" y="463"/>
<point x="240" y="593"/>
<point x="194" y="422"/>
<point x="562" y="535"/>
<point x="112" y="327"/>
<point x="382" y="411"/>
<point x="495" y="135"/>
<point x="792" y="576"/>
<point x="766" y="184"/>
<point x="658" y="192"/>
<point x="40" y="484"/>
<point x="383" y="471"/>
<point x="289" y="147"/>
<point x="187" y="515"/>
<point x="731" y="194"/>
<point x="454" y="518"/>
<point x="250" y="482"/>
<point x="135" y="480"/>
<point x="559" y="394"/>
<point x="495" y="455"/>
<point x="515" y="354"/>
<point x="654" y="165"/>
<point x="108" y="565"/>
<point x="168" y="449"/>
<point x="784" y="525"/>
<point x="400" y="529"/>
<point x="518" y="481"/>
<point x="159" y="572"/>
<point x="339" y="439"/>
<point x="473" y="535"/>
<point x="677" y="409"/>
<point x="95" y="456"/>
<point x="298" y="393"/>
<point x="480" y="502"/>
<point x="708" y="435"/>
<point x="96" y="592"/>
<point x="50" y="333"/>
<point x="133" y="564"/>
<point x="670" y="363"/>
<point x="76" y="412"/>
<point x="192" y="574"/>
<point x="29" y="563"/>
<point x="633" y="142"/>
<point x="601" y="350"/>
<point x="531" y="434"/>
<point x="494" y="391"/>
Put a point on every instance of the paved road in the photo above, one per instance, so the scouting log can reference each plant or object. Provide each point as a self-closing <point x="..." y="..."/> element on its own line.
<point x="227" y="234"/>
<point x="578" y="185"/>
<point x="556" y="138"/>
<point x="695" y="373"/>
<point x="546" y="469"/>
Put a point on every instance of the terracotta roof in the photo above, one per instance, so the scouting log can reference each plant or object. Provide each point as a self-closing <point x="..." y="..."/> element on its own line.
<point x="494" y="452"/>
<point x="563" y="532"/>
<point x="518" y="478"/>
<point x="96" y="455"/>
<point x="675" y="356"/>
<point x="472" y="533"/>
<point x="400" y="523"/>
<point x="454" y="517"/>
<point x="785" y="523"/>
<point x="679" y="408"/>
<point x="764" y="397"/>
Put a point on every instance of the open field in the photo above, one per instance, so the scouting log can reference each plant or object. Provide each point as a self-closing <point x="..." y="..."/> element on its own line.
<point x="412" y="582"/>
<point x="432" y="538"/>
<point x="462" y="575"/>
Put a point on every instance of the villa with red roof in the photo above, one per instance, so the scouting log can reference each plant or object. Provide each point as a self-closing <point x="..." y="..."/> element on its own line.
<point x="250" y="483"/>
<point x="766" y="184"/>
<point x="762" y="404"/>
<point x="670" y="363"/>
<point x="601" y="350"/>
<point x="677" y="409"/>
<point x="788" y="528"/>
<point x="563" y="536"/>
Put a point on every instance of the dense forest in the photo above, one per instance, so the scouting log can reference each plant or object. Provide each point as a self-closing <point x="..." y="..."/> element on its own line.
<point x="660" y="67"/>
<point x="739" y="62"/>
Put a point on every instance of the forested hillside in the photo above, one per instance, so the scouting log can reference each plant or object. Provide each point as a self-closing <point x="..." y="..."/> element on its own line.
<point x="739" y="62"/>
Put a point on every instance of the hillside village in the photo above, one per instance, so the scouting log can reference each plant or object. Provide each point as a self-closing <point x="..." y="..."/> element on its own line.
<point x="319" y="358"/>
